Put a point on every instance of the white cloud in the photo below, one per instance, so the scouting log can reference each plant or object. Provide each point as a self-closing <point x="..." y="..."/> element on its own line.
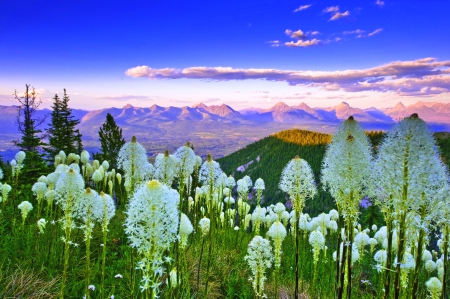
<point x="303" y="7"/>
<point x="299" y="34"/>
<point x="331" y="9"/>
<point x="315" y="32"/>
<point x="417" y="77"/>
<point x="357" y="31"/>
<point x="339" y="15"/>
<point x="375" y="32"/>
<point x="304" y="43"/>
<point x="380" y="3"/>
<point x="274" y="43"/>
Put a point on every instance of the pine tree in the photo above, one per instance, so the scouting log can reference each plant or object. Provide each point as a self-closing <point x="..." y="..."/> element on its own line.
<point x="111" y="140"/>
<point x="62" y="134"/>
<point x="30" y="143"/>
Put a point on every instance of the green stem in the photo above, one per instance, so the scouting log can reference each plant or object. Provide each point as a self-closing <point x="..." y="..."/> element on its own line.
<point x="88" y="255"/>
<point x="68" y="230"/>
<point x="338" y="254"/>
<point x="418" y="259"/>
<point x="444" y="279"/>
<point x="200" y="263"/>
<point x="387" y="277"/>
<point x="105" y="232"/>
<point x="401" y="251"/>
<point x="296" y="215"/>
<point x="349" y="259"/>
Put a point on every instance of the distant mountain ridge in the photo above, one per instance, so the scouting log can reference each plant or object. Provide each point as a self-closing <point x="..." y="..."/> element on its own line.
<point x="219" y="128"/>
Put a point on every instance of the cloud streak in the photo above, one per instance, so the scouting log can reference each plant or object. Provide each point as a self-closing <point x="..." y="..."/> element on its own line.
<point x="418" y="77"/>
<point x="375" y="32"/>
<point x="303" y="7"/>
<point x="339" y="15"/>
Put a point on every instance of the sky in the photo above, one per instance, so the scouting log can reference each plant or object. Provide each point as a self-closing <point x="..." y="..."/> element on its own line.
<point x="245" y="53"/>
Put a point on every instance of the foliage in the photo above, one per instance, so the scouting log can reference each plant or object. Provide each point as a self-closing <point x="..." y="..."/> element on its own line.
<point x="62" y="135"/>
<point x="31" y="143"/>
<point x="111" y="140"/>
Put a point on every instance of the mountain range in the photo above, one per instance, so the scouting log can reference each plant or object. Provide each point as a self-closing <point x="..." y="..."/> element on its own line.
<point x="219" y="128"/>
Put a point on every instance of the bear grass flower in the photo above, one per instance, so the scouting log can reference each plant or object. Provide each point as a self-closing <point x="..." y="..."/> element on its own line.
<point x="317" y="241"/>
<point x="133" y="161"/>
<point x="166" y="168"/>
<point x="209" y="172"/>
<point x="151" y="225"/>
<point x="259" y="258"/>
<point x="346" y="169"/>
<point x="186" y="229"/>
<point x="434" y="286"/>
<point x="25" y="207"/>
<point x="204" y="225"/>
<point x="346" y="172"/>
<point x="277" y="232"/>
<point x="297" y="180"/>
<point x="5" y="189"/>
<point x="409" y="186"/>
<point x="41" y="225"/>
<point x="186" y="162"/>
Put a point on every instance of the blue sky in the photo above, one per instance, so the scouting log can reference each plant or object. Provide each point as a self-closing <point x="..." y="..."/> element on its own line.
<point x="243" y="53"/>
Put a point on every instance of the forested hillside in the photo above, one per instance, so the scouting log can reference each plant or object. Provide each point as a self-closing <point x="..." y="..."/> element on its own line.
<point x="267" y="157"/>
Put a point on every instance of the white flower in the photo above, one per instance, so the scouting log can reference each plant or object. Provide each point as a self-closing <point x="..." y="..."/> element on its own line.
<point x="69" y="187"/>
<point x="230" y="182"/>
<point x="187" y="160"/>
<point x="89" y="208"/>
<point x="297" y="179"/>
<point x="118" y="276"/>
<point x="166" y="168"/>
<point x="41" y="225"/>
<point x="97" y="176"/>
<point x="334" y="215"/>
<point x="20" y="156"/>
<point x="317" y="241"/>
<point x="221" y="182"/>
<point x="105" y="165"/>
<point x="410" y="173"/>
<point x="91" y="287"/>
<point x="434" y="286"/>
<point x="5" y="189"/>
<point x="152" y="217"/>
<point x="430" y="266"/>
<point x="381" y="257"/>
<point x="285" y="217"/>
<point x="209" y="172"/>
<point x="277" y="232"/>
<point x="151" y="225"/>
<point x="133" y="161"/>
<point x="186" y="229"/>
<point x="25" y="207"/>
<point x="346" y="168"/>
<point x="108" y="209"/>
<point x="259" y="258"/>
<point x="259" y="184"/>
<point x="84" y="157"/>
<point x="204" y="224"/>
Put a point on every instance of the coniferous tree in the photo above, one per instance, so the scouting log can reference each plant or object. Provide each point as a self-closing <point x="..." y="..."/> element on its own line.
<point x="62" y="134"/>
<point x="30" y="143"/>
<point x="111" y="140"/>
